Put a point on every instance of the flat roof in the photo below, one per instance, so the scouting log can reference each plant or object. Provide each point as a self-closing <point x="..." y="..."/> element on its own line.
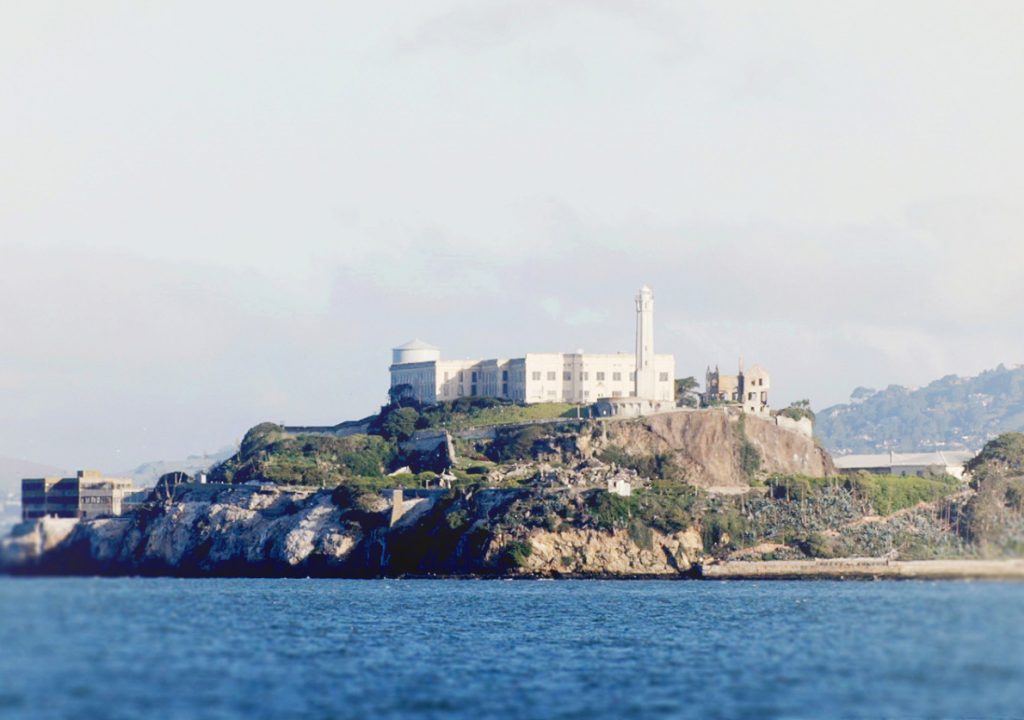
<point x="946" y="458"/>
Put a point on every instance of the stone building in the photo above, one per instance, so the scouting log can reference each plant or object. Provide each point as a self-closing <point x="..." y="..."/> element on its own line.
<point x="418" y="371"/>
<point x="87" y="495"/>
<point x="748" y="389"/>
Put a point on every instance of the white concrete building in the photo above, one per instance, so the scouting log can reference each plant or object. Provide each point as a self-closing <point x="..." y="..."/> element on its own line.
<point x="541" y="377"/>
<point x="948" y="462"/>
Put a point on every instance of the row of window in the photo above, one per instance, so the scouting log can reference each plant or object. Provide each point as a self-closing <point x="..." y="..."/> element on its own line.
<point x="599" y="376"/>
<point x="473" y="376"/>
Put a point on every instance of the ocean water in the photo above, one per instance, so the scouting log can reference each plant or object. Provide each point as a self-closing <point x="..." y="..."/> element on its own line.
<point x="166" y="648"/>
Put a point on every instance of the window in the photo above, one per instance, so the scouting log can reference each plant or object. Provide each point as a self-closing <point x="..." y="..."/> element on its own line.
<point x="504" y="375"/>
<point x="663" y="377"/>
<point x="504" y="388"/>
<point x="584" y="376"/>
<point x="600" y="376"/>
<point x="474" y="379"/>
<point x="616" y="393"/>
<point x="462" y="390"/>
<point x="632" y="376"/>
<point x="567" y="376"/>
<point x="552" y="375"/>
<point x="473" y="388"/>
<point x="536" y="375"/>
<point x="750" y="396"/>
<point x="764" y="397"/>
<point x="460" y="376"/>
<point x="617" y="377"/>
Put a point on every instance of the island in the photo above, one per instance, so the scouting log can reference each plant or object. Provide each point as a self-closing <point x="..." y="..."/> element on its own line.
<point x="484" y="487"/>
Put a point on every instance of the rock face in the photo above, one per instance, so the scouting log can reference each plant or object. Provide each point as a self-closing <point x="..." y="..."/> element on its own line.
<point x="30" y="541"/>
<point x="256" y="531"/>
<point x="534" y="518"/>
<point x="600" y="553"/>
<point x="706" y="445"/>
<point x="243" y="530"/>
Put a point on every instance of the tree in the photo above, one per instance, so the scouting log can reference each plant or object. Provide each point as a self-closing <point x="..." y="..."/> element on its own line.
<point x="402" y="395"/>
<point x="400" y="423"/>
<point x="798" y="410"/>
<point x="685" y="387"/>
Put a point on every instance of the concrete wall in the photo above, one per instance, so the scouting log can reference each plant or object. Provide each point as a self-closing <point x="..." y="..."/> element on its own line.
<point x="804" y="426"/>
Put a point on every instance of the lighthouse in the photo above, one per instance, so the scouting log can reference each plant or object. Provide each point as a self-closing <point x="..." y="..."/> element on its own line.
<point x="645" y="384"/>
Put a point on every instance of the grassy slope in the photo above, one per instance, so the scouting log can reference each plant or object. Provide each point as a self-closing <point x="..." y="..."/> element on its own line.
<point x="512" y="414"/>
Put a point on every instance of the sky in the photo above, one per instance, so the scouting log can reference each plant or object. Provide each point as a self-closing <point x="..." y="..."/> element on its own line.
<point x="218" y="214"/>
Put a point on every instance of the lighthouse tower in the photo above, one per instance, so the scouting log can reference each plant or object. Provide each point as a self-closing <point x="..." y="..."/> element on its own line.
<point x="645" y="377"/>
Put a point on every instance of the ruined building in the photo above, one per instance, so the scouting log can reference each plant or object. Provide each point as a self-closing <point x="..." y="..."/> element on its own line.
<point x="748" y="389"/>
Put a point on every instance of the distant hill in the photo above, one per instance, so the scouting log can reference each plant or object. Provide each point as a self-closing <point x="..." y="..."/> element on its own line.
<point x="147" y="474"/>
<point x="953" y="413"/>
<point x="12" y="470"/>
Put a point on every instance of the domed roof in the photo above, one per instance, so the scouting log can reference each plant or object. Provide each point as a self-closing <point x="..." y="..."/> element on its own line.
<point x="416" y="345"/>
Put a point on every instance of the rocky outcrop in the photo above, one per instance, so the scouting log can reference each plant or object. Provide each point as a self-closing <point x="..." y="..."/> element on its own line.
<point x="601" y="553"/>
<point x="706" y="445"/>
<point x="242" y="530"/>
<point x="546" y="529"/>
<point x="30" y="541"/>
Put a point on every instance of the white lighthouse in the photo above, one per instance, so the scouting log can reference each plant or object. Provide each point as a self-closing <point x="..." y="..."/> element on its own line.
<point x="646" y="385"/>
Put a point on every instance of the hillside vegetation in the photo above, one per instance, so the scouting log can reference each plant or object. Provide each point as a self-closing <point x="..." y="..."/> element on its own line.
<point x="952" y="413"/>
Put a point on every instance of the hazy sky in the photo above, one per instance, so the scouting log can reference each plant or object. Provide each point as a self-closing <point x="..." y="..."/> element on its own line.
<point x="215" y="214"/>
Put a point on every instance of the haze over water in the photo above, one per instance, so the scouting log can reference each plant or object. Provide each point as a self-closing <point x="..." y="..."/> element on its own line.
<point x="256" y="649"/>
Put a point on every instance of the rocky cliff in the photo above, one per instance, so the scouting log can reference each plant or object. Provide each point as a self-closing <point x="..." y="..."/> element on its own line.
<point x="548" y="512"/>
<point x="253" y="530"/>
<point x="708" y="447"/>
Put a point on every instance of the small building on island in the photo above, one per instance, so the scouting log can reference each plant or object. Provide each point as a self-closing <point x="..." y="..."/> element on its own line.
<point x="947" y="462"/>
<point x="89" y="494"/>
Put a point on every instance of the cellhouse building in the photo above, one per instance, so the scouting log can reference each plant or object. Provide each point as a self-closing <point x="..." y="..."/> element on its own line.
<point x="417" y="371"/>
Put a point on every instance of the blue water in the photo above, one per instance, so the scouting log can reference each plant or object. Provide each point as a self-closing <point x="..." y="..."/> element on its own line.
<point x="166" y="648"/>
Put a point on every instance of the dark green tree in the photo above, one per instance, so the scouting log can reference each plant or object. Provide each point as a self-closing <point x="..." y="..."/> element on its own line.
<point x="400" y="423"/>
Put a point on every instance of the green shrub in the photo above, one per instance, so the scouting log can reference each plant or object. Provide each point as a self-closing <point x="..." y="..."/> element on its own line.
<point x="725" y="527"/>
<point x="659" y="466"/>
<point x="457" y="519"/>
<point x="399" y="423"/>
<point x="817" y="545"/>
<point x="516" y="553"/>
<point x="891" y="493"/>
<point x="609" y="511"/>
<point x="515" y="444"/>
<point x="640" y="534"/>
<point x="1005" y="451"/>
<point x="748" y="457"/>
<point x="798" y="488"/>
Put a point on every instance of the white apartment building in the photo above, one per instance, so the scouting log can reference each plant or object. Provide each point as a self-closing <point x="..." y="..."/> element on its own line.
<point x="541" y="377"/>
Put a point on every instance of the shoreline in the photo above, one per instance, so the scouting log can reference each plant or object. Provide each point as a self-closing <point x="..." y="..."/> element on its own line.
<point x="864" y="569"/>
